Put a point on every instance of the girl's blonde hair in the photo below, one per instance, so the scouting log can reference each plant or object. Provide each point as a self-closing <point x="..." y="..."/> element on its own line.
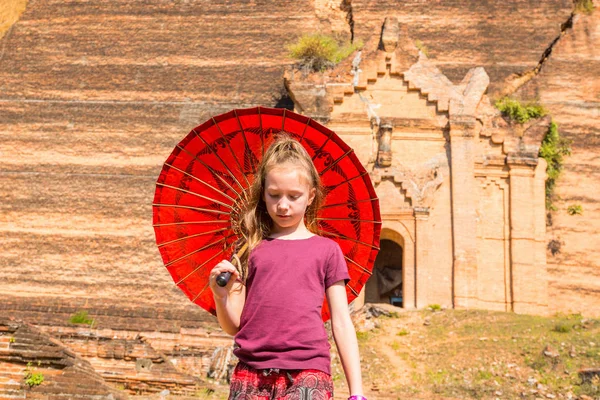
<point x="256" y="222"/>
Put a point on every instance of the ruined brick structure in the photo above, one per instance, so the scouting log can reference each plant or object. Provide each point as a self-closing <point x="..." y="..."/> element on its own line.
<point x="462" y="191"/>
<point x="94" y="96"/>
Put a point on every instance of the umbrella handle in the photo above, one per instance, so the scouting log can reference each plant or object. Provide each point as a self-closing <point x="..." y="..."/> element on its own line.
<point x="223" y="277"/>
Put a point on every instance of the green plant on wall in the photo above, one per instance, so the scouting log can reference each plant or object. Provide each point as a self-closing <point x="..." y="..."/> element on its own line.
<point x="422" y="47"/>
<point x="31" y="377"/>
<point x="584" y="6"/>
<point x="575" y="209"/>
<point x="553" y="150"/>
<point x="518" y="112"/>
<point x="81" y="317"/>
<point x="317" y="52"/>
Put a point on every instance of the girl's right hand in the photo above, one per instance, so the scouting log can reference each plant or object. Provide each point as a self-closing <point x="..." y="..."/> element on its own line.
<point x="219" y="292"/>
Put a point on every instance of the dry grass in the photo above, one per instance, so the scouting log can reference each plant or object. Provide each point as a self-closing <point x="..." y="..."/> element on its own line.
<point x="10" y="11"/>
<point x="477" y="354"/>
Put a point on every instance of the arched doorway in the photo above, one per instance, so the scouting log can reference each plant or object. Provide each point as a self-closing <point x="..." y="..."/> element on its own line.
<point x="385" y="285"/>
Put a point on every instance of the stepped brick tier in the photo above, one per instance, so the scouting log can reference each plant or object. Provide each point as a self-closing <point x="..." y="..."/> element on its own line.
<point x="504" y="37"/>
<point x="65" y="374"/>
<point x="94" y="96"/>
<point x="454" y="174"/>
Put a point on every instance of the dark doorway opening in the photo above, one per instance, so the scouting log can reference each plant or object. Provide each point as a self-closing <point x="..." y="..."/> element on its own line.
<point x="385" y="285"/>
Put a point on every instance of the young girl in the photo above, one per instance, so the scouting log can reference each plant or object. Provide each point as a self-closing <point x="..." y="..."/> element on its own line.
<point x="280" y="339"/>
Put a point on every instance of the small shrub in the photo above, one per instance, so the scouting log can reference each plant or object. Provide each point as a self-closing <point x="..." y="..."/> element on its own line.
<point x="11" y="339"/>
<point x="438" y="377"/>
<point x="553" y="150"/>
<point x="435" y="307"/>
<point x="422" y="47"/>
<point x="362" y="336"/>
<point x="584" y="6"/>
<point x="575" y="209"/>
<point x="484" y="375"/>
<point x="561" y="327"/>
<point x="31" y="377"/>
<point x="402" y="332"/>
<point x="81" y="317"/>
<point x="389" y="315"/>
<point x="317" y="52"/>
<point x="516" y="111"/>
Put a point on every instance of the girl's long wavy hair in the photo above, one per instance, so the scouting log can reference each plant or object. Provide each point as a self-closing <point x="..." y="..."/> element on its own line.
<point x="256" y="223"/>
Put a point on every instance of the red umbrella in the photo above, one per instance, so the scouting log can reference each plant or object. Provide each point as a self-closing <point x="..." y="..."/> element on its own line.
<point x="203" y="187"/>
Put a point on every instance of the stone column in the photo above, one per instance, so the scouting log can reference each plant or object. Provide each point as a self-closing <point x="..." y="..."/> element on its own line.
<point x="463" y="130"/>
<point x="528" y="267"/>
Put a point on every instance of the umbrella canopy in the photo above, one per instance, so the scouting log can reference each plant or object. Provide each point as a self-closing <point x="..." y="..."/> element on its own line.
<point x="203" y="189"/>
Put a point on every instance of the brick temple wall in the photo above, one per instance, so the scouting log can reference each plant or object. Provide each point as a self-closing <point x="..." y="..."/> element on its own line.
<point x="94" y="95"/>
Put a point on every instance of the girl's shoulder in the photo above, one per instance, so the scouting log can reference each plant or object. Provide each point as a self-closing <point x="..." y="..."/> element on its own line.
<point x="312" y="242"/>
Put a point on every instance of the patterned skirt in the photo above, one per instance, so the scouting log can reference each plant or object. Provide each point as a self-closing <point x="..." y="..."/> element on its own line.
<point x="248" y="383"/>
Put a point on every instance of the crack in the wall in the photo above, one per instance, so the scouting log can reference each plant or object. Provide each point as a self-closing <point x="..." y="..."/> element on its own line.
<point x="346" y="6"/>
<point x="521" y="79"/>
<point x="563" y="29"/>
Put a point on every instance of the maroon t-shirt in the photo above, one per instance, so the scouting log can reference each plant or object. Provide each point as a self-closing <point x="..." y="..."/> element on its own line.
<point x="281" y="324"/>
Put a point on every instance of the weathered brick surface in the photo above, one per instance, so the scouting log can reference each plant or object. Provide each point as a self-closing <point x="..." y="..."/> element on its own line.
<point x="94" y="95"/>
<point x="568" y="86"/>
<point x="502" y="36"/>
<point x="66" y="375"/>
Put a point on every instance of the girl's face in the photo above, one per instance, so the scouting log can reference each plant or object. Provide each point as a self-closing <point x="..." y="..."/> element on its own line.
<point x="287" y="195"/>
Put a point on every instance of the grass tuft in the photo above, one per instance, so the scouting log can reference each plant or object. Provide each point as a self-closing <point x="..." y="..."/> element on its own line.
<point x="318" y="52"/>
<point x="518" y="112"/>
<point x="575" y="209"/>
<point x="584" y="7"/>
<point x="81" y="317"/>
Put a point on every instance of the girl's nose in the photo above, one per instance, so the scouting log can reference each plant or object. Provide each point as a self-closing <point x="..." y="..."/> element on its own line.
<point x="283" y="205"/>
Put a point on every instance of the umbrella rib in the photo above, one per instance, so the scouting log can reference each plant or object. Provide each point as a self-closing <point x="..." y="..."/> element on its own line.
<point x="196" y="251"/>
<point x="201" y="181"/>
<point x="199" y="294"/>
<point x="209" y="168"/>
<point x="198" y="267"/>
<point x="363" y="269"/>
<point x="349" y="238"/>
<point x="244" y="136"/>
<point x="347" y="202"/>
<point x="231" y="151"/>
<point x="323" y="145"/>
<point x="262" y="141"/>
<point x="349" y="219"/>
<point x="220" y="159"/>
<point x="217" y="221"/>
<point x="353" y="291"/>
<point x="190" y="208"/>
<point x="305" y="129"/>
<point x="353" y="178"/>
<point x="191" y="236"/>
<point x="193" y="193"/>
<point x="333" y="164"/>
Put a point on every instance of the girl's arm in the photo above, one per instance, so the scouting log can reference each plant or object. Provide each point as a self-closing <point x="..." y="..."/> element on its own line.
<point x="229" y="300"/>
<point x="345" y="336"/>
